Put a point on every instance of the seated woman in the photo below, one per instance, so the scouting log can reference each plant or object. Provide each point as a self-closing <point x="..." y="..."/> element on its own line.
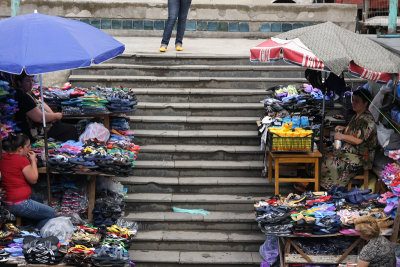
<point x="378" y="252"/>
<point x="30" y="116"/>
<point x="358" y="145"/>
<point x="18" y="170"/>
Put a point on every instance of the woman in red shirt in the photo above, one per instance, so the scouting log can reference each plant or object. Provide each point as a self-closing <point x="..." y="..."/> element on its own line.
<point x="18" y="170"/>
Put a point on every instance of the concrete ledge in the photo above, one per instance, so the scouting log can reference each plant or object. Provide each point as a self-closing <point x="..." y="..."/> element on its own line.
<point x="191" y="181"/>
<point x="190" y="198"/>
<point x="190" y="119"/>
<point x="199" y="149"/>
<point x="154" y="105"/>
<point x="197" y="257"/>
<point x="199" y="164"/>
<point x="195" y="134"/>
<point x="197" y="91"/>
<point x="214" y="216"/>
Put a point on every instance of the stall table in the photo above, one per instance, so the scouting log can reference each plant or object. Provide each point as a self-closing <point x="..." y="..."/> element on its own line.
<point x="293" y="158"/>
<point x="91" y="187"/>
<point x="289" y="258"/>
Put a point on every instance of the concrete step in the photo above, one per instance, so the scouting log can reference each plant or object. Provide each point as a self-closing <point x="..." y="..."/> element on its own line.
<point x="198" y="168"/>
<point x="216" y="220"/>
<point x="200" y="152"/>
<point x="211" y="202"/>
<point x="199" y="95"/>
<point x="192" y="122"/>
<point x="173" y="258"/>
<point x="199" y="109"/>
<point x="179" y="82"/>
<point x="196" y="185"/>
<point x="183" y="59"/>
<point x="199" y="137"/>
<point x="256" y="70"/>
<point x="198" y="240"/>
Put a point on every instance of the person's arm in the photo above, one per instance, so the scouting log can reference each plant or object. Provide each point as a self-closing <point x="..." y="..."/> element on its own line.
<point x="361" y="263"/>
<point x="348" y="138"/>
<point x="36" y="115"/>
<point x="47" y="108"/>
<point x="30" y="171"/>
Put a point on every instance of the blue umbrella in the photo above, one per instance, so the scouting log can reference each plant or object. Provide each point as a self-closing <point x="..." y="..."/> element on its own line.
<point x="41" y="43"/>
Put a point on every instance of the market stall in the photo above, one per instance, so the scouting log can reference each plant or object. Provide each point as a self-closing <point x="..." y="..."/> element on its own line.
<point x="79" y="165"/>
<point x="318" y="227"/>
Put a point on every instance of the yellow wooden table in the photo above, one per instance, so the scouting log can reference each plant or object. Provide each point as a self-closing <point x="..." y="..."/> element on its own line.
<point x="294" y="158"/>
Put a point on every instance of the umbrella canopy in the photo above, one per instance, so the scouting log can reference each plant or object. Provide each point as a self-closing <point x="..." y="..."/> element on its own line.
<point x="41" y="43"/>
<point x="329" y="47"/>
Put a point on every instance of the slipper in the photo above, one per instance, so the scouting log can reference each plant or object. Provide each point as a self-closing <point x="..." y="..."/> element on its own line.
<point x="349" y="232"/>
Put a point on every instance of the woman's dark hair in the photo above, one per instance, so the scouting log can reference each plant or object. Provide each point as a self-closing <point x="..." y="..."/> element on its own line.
<point x="364" y="94"/>
<point x="14" y="141"/>
<point x="19" y="78"/>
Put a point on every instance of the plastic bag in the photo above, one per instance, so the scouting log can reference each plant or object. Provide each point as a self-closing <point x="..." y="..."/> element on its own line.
<point x="61" y="227"/>
<point x="383" y="134"/>
<point x="107" y="183"/>
<point x="95" y="130"/>
<point x="131" y="226"/>
<point x="269" y="251"/>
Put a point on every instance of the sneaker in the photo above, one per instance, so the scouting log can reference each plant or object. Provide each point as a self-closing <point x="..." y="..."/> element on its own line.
<point x="178" y="48"/>
<point x="163" y="48"/>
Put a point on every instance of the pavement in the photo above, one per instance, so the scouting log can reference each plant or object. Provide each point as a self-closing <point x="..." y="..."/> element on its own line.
<point x="218" y="46"/>
<point x="191" y="46"/>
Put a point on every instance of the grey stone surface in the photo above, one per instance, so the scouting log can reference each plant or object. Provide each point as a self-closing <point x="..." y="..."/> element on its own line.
<point x="142" y="197"/>
<point x="156" y="256"/>
<point x="213" y="198"/>
<point x="216" y="257"/>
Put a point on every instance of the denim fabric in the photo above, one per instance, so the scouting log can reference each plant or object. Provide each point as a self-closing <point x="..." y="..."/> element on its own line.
<point x="176" y="9"/>
<point x="33" y="210"/>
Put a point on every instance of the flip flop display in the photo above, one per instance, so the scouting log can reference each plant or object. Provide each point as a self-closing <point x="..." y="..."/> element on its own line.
<point x="8" y="107"/>
<point x="79" y="101"/>
<point x="322" y="213"/>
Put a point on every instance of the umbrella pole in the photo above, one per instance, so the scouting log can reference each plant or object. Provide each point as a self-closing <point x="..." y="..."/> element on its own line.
<point x="321" y="130"/>
<point x="46" y="147"/>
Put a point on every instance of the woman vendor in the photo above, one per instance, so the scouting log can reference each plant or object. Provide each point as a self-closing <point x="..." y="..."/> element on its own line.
<point x="30" y="116"/>
<point x="19" y="170"/>
<point x="358" y="145"/>
<point x="378" y="252"/>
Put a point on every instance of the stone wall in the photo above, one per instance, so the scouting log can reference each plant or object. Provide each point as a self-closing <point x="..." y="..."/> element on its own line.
<point x="207" y="18"/>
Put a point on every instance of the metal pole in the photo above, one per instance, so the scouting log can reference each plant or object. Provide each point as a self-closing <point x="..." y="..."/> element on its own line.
<point x="46" y="148"/>
<point x="365" y="11"/>
<point x="392" y="21"/>
<point x="15" y="10"/>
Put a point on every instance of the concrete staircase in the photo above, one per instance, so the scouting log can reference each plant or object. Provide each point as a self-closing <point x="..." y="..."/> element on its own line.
<point x="196" y="125"/>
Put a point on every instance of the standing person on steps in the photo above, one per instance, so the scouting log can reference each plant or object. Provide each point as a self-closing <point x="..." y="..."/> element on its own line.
<point x="176" y="9"/>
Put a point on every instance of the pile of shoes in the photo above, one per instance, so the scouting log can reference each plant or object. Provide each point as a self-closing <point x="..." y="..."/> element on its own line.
<point x="120" y="100"/>
<point x="117" y="156"/>
<point x="73" y="202"/>
<point x="391" y="177"/>
<point x="111" y="253"/>
<point x="8" y="107"/>
<point x="80" y="255"/>
<point x="331" y="246"/>
<point x="42" y="250"/>
<point x="274" y="220"/>
<point x="94" y="102"/>
<point x="109" y="207"/>
<point x="99" y="246"/>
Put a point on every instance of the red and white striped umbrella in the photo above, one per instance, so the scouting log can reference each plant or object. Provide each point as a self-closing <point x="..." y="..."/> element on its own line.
<point x="295" y="52"/>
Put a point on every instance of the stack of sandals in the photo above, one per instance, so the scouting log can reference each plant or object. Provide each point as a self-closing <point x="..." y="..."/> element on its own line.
<point x="42" y="250"/>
